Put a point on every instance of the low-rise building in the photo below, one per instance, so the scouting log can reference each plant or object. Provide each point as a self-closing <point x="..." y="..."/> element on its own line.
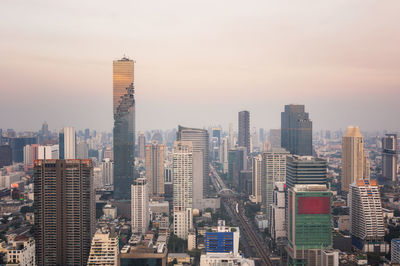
<point x="22" y="251"/>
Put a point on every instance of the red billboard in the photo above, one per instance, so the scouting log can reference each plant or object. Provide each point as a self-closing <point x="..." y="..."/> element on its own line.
<point x="313" y="205"/>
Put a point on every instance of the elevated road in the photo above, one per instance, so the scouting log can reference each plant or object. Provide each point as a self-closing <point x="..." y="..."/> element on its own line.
<point x="234" y="208"/>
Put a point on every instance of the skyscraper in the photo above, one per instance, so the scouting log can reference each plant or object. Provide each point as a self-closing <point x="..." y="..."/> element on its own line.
<point x="296" y="130"/>
<point x="124" y="128"/>
<point x="354" y="162"/>
<point x="223" y="154"/>
<point x="64" y="211"/>
<point x="155" y="168"/>
<point x="273" y="169"/>
<point x="305" y="170"/>
<point x="183" y="188"/>
<point x="389" y="158"/>
<point x="366" y="215"/>
<point x="244" y="130"/>
<point x="140" y="206"/>
<point x="199" y="139"/>
<point x="142" y="144"/>
<point x="309" y="223"/>
<point x="67" y="143"/>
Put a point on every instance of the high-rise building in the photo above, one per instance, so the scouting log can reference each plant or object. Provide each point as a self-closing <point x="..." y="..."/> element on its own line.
<point x="296" y="130"/>
<point x="216" y="133"/>
<point x="244" y="130"/>
<point x="104" y="250"/>
<point x="199" y="139"/>
<point x="142" y="144"/>
<point x="305" y="170"/>
<point x="354" y="162"/>
<point x="5" y="155"/>
<point x="223" y="154"/>
<point x="237" y="162"/>
<point x="140" y="206"/>
<point x="122" y="78"/>
<point x="183" y="188"/>
<point x="231" y="137"/>
<point x="309" y="223"/>
<point x="389" y="158"/>
<point x="366" y="216"/>
<point x="107" y="170"/>
<point x="67" y="143"/>
<point x="82" y="150"/>
<point x="17" y="145"/>
<point x="48" y="152"/>
<point x="64" y="211"/>
<point x="155" y="168"/>
<point x="124" y="145"/>
<point x="395" y="250"/>
<point x="275" y="138"/>
<point x="256" y="175"/>
<point x="277" y="214"/>
<point x="222" y="239"/>
<point x="31" y="153"/>
<point x="273" y="169"/>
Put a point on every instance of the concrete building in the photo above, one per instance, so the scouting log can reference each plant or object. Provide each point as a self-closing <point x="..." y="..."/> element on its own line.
<point x="142" y="144"/>
<point x="237" y="162"/>
<point x="268" y="168"/>
<point x="82" y="150"/>
<point x="183" y="188"/>
<point x="67" y="143"/>
<point x="223" y="155"/>
<point x="5" y="155"/>
<point x="366" y="216"/>
<point x="107" y="170"/>
<point x="31" y="153"/>
<point x="199" y="139"/>
<point x="48" y="152"/>
<point x="296" y="130"/>
<point x="140" y="206"/>
<point x="257" y="179"/>
<point x="104" y="249"/>
<point x="309" y="223"/>
<point x="305" y="170"/>
<point x="22" y="252"/>
<point x="222" y="239"/>
<point x="354" y="162"/>
<point x="155" y="168"/>
<point x="389" y="158"/>
<point x="64" y="211"/>
<point x="110" y="211"/>
<point x="142" y="254"/>
<point x="244" y="130"/>
<point x="192" y="244"/>
<point x="124" y="128"/>
<point x="277" y="214"/>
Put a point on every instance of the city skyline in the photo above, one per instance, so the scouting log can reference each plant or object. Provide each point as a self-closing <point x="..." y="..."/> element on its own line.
<point x="227" y="60"/>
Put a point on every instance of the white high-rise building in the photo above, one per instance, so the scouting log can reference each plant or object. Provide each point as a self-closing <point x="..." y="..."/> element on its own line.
<point x="183" y="188"/>
<point x="107" y="169"/>
<point x="140" y="206"/>
<point x="277" y="214"/>
<point x="231" y="137"/>
<point x="223" y="155"/>
<point x="366" y="215"/>
<point x="104" y="249"/>
<point x="48" y="152"/>
<point x="67" y="142"/>
<point x="256" y="176"/>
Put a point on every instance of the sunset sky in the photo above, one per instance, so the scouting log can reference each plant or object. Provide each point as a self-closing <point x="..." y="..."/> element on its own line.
<point x="200" y="62"/>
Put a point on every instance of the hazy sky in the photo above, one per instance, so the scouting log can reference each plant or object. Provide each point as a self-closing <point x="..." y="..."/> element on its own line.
<point x="200" y="62"/>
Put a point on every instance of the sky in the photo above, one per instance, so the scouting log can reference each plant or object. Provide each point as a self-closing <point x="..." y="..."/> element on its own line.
<point x="200" y="62"/>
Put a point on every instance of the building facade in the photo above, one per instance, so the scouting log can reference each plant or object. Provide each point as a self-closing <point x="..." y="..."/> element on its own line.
<point x="389" y="158"/>
<point x="183" y="188"/>
<point x="64" y="211"/>
<point x="277" y="214"/>
<point x="155" y="168"/>
<point x="140" y="206"/>
<point x="296" y="130"/>
<point x="366" y="216"/>
<point x="104" y="250"/>
<point x="244" y="130"/>
<point x="309" y="223"/>
<point x="142" y="144"/>
<point x="354" y="162"/>
<point x="67" y="143"/>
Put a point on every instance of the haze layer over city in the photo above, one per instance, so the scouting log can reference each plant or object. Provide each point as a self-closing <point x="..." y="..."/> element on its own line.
<point x="199" y="133"/>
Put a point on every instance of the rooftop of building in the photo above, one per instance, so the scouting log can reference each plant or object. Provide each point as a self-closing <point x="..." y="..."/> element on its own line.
<point x="310" y="188"/>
